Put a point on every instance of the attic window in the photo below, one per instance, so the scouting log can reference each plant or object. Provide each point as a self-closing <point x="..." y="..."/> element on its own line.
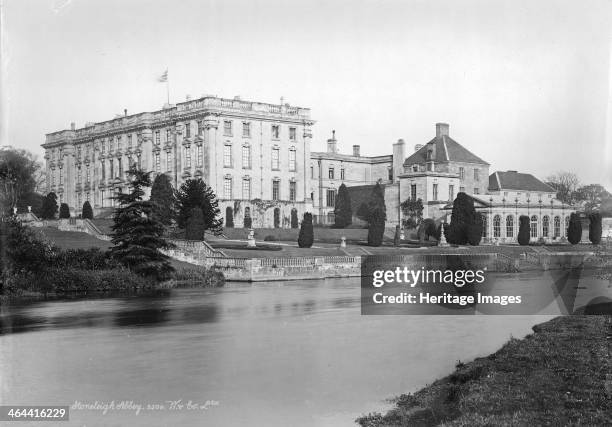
<point x="415" y="168"/>
<point x="429" y="154"/>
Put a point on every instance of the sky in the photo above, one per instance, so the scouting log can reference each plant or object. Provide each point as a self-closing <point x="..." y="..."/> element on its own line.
<point x="525" y="85"/>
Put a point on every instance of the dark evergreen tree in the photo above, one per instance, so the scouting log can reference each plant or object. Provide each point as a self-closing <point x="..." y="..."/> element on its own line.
<point x="49" y="208"/>
<point x="87" y="212"/>
<point x="137" y="234"/>
<point x="195" y="193"/>
<point x="229" y="217"/>
<point x="276" y="217"/>
<point x="194" y="228"/>
<point x="163" y="197"/>
<point x="294" y="218"/>
<point x="396" y="237"/>
<point x="343" y="214"/>
<point x="64" y="211"/>
<point x="474" y="230"/>
<point x="595" y="228"/>
<point x="376" y="216"/>
<point x="574" y="230"/>
<point x="306" y="236"/>
<point x="427" y="229"/>
<point x="524" y="230"/>
<point x="462" y="217"/>
<point x="247" y="221"/>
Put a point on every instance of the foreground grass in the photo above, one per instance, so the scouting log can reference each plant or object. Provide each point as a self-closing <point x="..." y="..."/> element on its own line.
<point x="560" y="375"/>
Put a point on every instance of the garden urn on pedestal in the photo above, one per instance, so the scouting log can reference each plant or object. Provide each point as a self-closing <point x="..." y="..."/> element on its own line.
<point x="251" y="239"/>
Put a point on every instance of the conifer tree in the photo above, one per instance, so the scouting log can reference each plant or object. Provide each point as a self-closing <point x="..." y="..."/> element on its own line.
<point x="462" y="217"/>
<point x="574" y="230"/>
<point x="195" y="193"/>
<point x="524" y="230"/>
<point x="87" y="212"/>
<point x="194" y="228"/>
<point x="343" y="214"/>
<point x="162" y="195"/>
<point x="49" y="208"/>
<point x="137" y="234"/>
<point x="294" y="218"/>
<point x="595" y="228"/>
<point x="64" y="211"/>
<point x="376" y="216"/>
<point x="306" y="236"/>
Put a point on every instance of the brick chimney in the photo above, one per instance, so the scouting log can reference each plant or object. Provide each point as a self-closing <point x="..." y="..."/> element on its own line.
<point x="399" y="155"/>
<point x="441" y="129"/>
<point x="72" y="126"/>
<point x="356" y="150"/>
<point x="332" y="147"/>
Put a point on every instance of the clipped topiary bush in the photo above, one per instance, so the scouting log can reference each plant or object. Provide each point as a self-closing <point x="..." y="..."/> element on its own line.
<point x="64" y="211"/>
<point x="524" y="230"/>
<point x="461" y="218"/>
<point x="574" y="230"/>
<point x="87" y="212"/>
<point x="376" y="227"/>
<point x="595" y="228"/>
<point x="306" y="236"/>
<point x="474" y="230"/>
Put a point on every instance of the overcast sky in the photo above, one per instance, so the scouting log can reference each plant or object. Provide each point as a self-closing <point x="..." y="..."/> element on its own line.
<point x="524" y="84"/>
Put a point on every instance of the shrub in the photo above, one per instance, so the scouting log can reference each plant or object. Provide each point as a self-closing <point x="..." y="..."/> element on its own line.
<point x="294" y="218"/>
<point x="196" y="193"/>
<point x="524" y="230"/>
<point x="49" y="207"/>
<point x="64" y="211"/>
<point x="85" y="259"/>
<point x="343" y="214"/>
<point x="427" y="229"/>
<point x="376" y="227"/>
<point x="474" y="231"/>
<point x="87" y="212"/>
<point x="306" y="236"/>
<point x="194" y="228"/>
<point x="206" y="278"/>
<point x="461" y="218"/>
<point x="25" y="250"/>
<point x="276" y="217"/>
<point x="595" y="228"/>
<point x="229" y="217"/>
<point x="270" y="238"/>
<point x="574" y="230"/>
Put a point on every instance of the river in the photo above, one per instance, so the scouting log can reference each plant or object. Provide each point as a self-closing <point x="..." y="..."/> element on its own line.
<point x="271" y="354"/>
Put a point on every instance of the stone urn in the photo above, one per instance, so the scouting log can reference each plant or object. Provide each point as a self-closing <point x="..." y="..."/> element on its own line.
<point x="251" y="239"/>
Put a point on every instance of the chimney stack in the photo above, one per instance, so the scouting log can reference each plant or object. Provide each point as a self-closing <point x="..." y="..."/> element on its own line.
<point x="356" y="150"/>
<point x="331" y="143"/>
<point x="125" y="112"/>
<point x="418" y="147"/>
<point x="399" y="155"/>
<point x="441" y="129"/>
<point x="72" y="126"/>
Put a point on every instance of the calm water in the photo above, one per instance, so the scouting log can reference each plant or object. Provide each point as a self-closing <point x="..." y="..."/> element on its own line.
<point x="277" y="354"/>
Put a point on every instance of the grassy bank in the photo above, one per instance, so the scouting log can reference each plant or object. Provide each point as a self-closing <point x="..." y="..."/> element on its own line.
<point x="559" y="375"/>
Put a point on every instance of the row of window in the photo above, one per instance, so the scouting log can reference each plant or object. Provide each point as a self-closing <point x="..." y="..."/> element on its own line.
<point x="228" y="130"/>
<point x="228" y="185"/>
<point x="331" y="172"/>
<point x="534" y="229"/>
<point x="246" y="157"/>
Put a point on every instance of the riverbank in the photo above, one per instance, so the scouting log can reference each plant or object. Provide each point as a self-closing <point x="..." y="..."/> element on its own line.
<point x="559" y="375"/>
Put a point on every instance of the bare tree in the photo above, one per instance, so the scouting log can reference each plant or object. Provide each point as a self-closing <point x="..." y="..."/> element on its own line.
<point x="566" y="184"/>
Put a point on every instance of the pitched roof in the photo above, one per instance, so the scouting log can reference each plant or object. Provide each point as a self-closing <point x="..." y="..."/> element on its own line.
<point x="513" y="180"/>
<point x="445" y="149"/>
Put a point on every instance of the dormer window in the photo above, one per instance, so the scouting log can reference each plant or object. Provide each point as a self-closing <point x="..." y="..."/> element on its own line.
<point x="415" y="168"/>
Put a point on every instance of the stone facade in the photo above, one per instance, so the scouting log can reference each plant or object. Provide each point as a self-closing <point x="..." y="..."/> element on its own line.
<point x="246" y="151"/>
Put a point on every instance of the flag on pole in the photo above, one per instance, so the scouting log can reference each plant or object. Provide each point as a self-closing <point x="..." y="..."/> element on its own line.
<point x="164" y="77"/>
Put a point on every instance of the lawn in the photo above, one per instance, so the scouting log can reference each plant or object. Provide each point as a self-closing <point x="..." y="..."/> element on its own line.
<point x="556" y="376"/>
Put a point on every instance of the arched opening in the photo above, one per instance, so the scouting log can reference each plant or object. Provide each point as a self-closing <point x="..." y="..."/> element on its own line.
<point x="545" y="225"/>
<point x="557" y="226"/>
<point x="534" y="226"/>
<point x="496" y="226"/>
<point x="247" y="221"/>
<point x="510" y="226"/>
<point x="229" y="217"/>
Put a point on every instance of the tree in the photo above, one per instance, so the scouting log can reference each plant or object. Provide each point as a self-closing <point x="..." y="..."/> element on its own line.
<point x="574" y="230"/>
<point x="427" y="229"/>
<point x="194" y="228"/>
<point x="413" y="212"/>
<point x="377" y="215"/>
<point x="343" y="214"/>
<point x="229" y="217"/>
<point x="20" y="175"/>
<point x="137" y="234"/>
<point x="524" y="230"/>
<point x="595" y="228"/>
<point x="565" y="184"/>
<point x="474" y="230"/>
<point x="276" y="217"/>
<point x="64" y="211"/>
<point x="396" y="237"/>
<point x="195" y="193"/>
<point x="294" y="218"/>
<point x="87" y="212"/>
<point x="463" y="220"/>
<point x="592" y="195"/>
<point x="163" y="197"/>
<point x="306" y="236"/>
<point x="247" y="220"/>
<point x="49" y="208"/>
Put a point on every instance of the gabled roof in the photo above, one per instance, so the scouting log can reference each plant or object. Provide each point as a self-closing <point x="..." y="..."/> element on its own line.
<point x="445" y="149"/>
<point x="513" y="180"/>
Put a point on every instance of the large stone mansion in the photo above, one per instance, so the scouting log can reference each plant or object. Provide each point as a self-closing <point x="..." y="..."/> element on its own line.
<point x="257" y="158"/>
